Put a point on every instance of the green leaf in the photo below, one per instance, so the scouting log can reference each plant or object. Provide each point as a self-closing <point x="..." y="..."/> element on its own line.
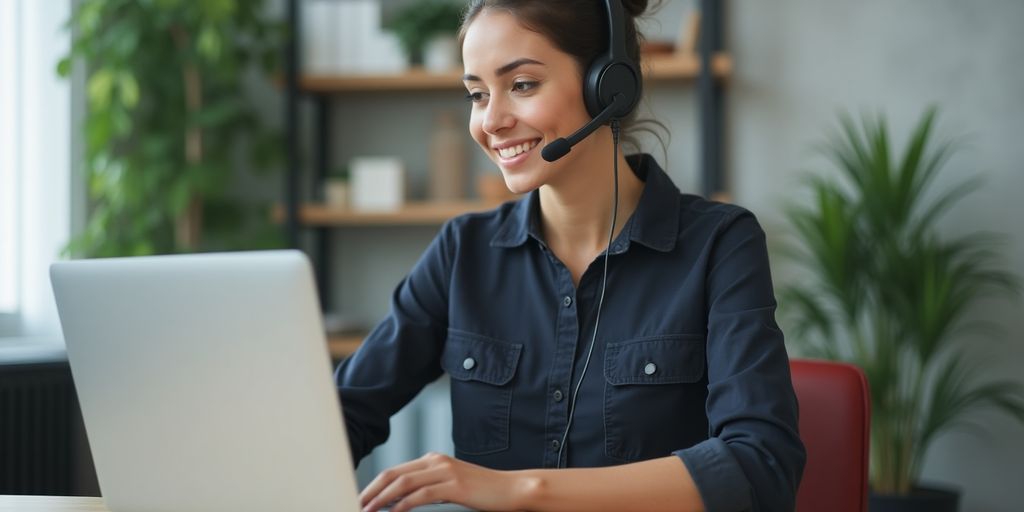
<point x="64" y="67"/>
<point x="214" y="114"/>
<point x="99" y="88"/>
<point x="208" y="44"/>
<point x="129" y="89"/>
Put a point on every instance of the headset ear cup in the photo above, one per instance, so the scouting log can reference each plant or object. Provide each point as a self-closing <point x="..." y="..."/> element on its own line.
<point x="613" y="73"/>
<point x="605" y="79"/>
<point x="620" y="78"/>
<point x="592" y="86"/>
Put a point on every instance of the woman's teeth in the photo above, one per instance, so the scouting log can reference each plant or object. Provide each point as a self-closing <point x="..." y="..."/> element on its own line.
<point x="516" y="150"/>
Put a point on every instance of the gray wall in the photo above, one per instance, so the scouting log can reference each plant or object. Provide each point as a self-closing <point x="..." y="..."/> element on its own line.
<point x="798" y="63"/>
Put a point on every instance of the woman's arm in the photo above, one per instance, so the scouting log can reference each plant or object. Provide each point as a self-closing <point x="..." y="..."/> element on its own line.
<point x="658" y="484"/>
<point x="401" y="355"/>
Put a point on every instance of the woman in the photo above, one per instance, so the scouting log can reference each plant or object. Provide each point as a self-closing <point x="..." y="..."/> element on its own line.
<point x="683" y="400"/>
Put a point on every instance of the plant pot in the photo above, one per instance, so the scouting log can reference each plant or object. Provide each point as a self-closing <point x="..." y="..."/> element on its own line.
<point x="920" y="499"/>
<point x="336" y="193"/>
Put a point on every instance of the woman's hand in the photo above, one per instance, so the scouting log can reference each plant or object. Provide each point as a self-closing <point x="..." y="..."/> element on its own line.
<point x="436" y="477"/>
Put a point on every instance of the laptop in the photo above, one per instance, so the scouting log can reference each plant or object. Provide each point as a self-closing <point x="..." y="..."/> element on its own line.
<point x="206" y="384"/>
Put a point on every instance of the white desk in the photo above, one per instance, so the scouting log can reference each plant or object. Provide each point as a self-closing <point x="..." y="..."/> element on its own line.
<point x="51" y="504"/>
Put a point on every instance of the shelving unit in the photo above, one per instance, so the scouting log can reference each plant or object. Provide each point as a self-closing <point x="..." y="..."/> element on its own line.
<point x="341" y="347"/>
<point x="297" y="214"/>
<point x="658" y="68"/>
<point x="424" y="213"/>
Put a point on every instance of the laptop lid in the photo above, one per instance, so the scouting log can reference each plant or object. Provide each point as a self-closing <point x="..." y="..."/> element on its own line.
<point x="205" y="382"/>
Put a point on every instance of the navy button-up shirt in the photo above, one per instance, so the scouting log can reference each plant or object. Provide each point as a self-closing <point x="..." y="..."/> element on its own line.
<point x="688" y="359"/>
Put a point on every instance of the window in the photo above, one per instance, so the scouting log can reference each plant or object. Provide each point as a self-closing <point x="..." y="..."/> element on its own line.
<point x="9" y="156"/>
<point x="35" y="163"/>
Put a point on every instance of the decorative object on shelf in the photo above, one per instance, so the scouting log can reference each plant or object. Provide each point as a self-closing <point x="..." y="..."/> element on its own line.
<point x="689" y="33"/>
<point x="441" y="53"/>
<point x="346" y="37"/>
<point x="378" y="183"/>
<point x="888" y="293"/>
<point x="336" y="189"/>
<point x="447" y="159"/>
<point x="423" y="20"/>
<point x="165" y="113"/>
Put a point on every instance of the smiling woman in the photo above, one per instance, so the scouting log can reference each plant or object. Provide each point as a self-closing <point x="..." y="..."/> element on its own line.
<point x="687" y="404"/>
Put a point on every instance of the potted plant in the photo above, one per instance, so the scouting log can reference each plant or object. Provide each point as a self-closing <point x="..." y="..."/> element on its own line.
<point x="336" y="189"/>
<point x="428" y="23"/>
<point x="886" y="292"/>
<point x="164" y="119"/>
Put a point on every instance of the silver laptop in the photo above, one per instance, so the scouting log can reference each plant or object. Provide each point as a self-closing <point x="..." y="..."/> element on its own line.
<point x="205" y="383"/>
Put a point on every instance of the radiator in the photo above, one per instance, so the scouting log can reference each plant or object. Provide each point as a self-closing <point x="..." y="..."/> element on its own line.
<point x="40" y="435"/>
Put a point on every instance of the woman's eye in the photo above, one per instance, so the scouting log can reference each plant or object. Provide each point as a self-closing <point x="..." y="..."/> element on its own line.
<point x="475" y="97"/>
<point x="523" y="85"/>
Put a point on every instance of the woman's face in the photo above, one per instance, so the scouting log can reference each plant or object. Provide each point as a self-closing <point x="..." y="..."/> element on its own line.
<point x="525" y="93"/>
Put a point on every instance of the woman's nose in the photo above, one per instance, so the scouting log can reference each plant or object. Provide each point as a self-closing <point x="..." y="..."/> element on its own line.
<point x="497" y="116"/>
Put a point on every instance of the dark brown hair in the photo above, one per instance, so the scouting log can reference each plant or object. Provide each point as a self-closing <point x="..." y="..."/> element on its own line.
<point x="576" y="27"/>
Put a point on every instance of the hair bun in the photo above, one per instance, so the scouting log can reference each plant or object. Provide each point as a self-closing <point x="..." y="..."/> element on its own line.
<point x="635" y="7"/>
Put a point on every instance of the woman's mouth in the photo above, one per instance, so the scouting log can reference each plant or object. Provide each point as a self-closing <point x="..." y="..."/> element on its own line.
<point x="511" y="152"/>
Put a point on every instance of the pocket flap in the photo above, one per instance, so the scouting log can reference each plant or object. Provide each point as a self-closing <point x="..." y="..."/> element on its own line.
<point x="470" y="356"/>
<point x="657" y="360"/>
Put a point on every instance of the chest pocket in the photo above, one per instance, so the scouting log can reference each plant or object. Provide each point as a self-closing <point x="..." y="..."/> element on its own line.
<point x="655" y="394"/>
<point x="481" y="370"/>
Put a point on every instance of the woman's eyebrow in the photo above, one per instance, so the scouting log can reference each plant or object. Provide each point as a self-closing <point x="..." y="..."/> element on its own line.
<point x="507" y="68"/>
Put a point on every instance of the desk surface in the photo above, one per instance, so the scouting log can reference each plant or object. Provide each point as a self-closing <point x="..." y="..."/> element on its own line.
<point x="76" y="504"/>
<point x="51" y="504"/>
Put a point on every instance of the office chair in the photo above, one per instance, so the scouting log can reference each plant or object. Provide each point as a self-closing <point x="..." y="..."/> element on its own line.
<point x="835" y="419"/>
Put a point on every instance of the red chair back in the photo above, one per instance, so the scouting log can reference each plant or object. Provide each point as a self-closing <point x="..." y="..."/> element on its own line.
<point x="835" y="419"/>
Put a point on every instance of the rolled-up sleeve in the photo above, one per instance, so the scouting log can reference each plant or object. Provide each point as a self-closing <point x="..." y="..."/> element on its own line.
<point x="754" y="458"/>
<point x="401" y="355"/>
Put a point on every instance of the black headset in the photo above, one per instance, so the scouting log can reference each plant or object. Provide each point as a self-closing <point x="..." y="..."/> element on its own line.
<point x="611" y="87"/>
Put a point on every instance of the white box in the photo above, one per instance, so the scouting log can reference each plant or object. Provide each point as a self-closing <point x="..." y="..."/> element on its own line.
<point x="385" y="54"/>
<point x="378" y="183"/>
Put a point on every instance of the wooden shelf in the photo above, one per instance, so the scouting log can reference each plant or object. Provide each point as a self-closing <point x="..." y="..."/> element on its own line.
<point x="341" y="347"/>
<point x="428" y="213"/>
<point x="656" y="68"/>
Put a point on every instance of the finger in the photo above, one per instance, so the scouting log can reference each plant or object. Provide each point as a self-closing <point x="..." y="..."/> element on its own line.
<point x="408" y="484"/>
<point x="425" y="495"/>
<point x="384" y="478"/>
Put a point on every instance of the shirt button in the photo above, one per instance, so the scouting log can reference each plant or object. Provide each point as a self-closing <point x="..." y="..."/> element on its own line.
<point x="650" y="369"/>
<point x="567" y="301"/>
<point x="469" y="363"/>
<point x="555" y="444"/>
<point x="557" y="395"/>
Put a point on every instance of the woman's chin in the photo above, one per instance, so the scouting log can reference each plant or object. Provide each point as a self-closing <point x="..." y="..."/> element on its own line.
<point x="519" y="184"/>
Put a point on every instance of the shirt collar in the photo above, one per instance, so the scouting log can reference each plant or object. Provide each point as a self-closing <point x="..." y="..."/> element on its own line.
<point x="655" y="222"/>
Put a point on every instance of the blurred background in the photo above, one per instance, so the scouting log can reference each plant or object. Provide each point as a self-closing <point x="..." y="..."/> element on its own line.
<point x="132" y="127"/>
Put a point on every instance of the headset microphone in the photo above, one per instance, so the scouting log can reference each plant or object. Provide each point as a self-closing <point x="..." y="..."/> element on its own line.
<point x="611" y="86"/>
<point x="561" y="146"/>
